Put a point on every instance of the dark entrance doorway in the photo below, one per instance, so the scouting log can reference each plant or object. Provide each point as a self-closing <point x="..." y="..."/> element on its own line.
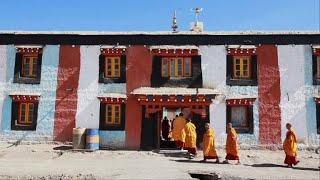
<point x="149" y="131"/>
<point x="151" y="128"/>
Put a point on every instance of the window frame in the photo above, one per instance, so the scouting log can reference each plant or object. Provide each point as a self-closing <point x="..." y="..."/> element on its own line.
<point x="32" y="66"/>
<point x="103" y="125"/>
<point x="175" y="69"/>
<point x="249" y="116"/>
<point x="113" y="116"/>
<point x="19" y="68"/>
<point x="16" y="115"/>
<point x="241" y="65"/>
<point x="113" y="65"/>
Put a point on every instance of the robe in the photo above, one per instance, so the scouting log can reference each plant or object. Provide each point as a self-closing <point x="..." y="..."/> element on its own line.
<point x="232" y="146"/>
<point x="290" y="148"/>
<point x="177" y="131"/>
<point x="191" y="138"/>
<point x="165" y="129"/>
<point x="209" y="151"/>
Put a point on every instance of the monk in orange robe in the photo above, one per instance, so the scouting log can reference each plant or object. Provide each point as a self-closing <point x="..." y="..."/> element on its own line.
<point x="209" y="150"/>
<point x="231" y="144"/>
<point x="191" y="138"/>
<point x="290" y="147"/>
<point x="177" y="131"/>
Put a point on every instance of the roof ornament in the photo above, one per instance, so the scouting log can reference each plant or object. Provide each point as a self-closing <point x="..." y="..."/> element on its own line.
<point x="174" y="22"/>
<point x="197" y="26"/>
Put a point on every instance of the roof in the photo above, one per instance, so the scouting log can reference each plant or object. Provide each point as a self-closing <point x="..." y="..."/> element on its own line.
<point x="23" y="93"/>
<point x="253" y="32"/>
<point x="241" y="96"/>
<point x="159" y="37"/>
<point x="173" y="91"/>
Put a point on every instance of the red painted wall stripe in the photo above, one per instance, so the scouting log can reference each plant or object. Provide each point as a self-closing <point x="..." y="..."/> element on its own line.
<point x="269" y="95"/>
<point x="66" y="94"/>
<point x="139" y="67"/>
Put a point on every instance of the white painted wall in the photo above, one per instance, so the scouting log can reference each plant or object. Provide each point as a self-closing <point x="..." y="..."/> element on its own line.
<point x="3" y="58"/>
<point x="213" y="63"/>
<point x="88" y="107"/>
<point x="293" y="88"/>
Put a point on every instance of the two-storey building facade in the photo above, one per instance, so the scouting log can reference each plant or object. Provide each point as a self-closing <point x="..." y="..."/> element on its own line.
<point x="124" y="83"/>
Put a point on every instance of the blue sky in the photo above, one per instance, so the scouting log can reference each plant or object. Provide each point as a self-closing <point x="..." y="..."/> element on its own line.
<point x="152" y="15"/>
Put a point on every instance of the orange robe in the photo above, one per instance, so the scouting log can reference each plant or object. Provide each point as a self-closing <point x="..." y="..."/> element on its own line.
<point x="191" y="138"/>
<point x="177" y="131"/>
<point x="209" y="150"/>
<point x="232" y="146"/>
<point x="290" y="148"/>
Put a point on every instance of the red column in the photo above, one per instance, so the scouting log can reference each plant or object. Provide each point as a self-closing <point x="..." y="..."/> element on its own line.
<point x="66" y="94"/>
<point x="269" y="95"/>
<point x="139" y="67"/>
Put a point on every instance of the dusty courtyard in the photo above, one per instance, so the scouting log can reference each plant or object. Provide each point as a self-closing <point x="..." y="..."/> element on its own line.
<point x="52" y="161"/>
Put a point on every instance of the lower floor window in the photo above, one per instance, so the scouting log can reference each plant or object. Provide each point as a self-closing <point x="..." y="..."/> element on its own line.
<point x="24" y="115"/>
<point x="241" y="117"/>
<point x="112" y="116"/>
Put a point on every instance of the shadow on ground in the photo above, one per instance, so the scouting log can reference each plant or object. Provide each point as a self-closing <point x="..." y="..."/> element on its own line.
<point x="282" y="166"/>
<point x="63" y="148"/>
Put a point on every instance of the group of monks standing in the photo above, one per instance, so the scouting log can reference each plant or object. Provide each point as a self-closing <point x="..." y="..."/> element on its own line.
<point x="185" y="137"/>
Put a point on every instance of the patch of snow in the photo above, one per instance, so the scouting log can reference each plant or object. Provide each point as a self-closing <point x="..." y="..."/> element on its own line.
<point x="23" y="93"/>
<point x="29" y="46"/>
<point x="113" y="95"/>
<point x="240" y="96"/>
<point x="242" y="46"/>
<point x="174" y="91"/>
<point x="112" y="46"/>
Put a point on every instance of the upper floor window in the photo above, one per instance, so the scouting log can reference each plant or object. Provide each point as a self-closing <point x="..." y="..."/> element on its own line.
<point x="242" y="67"/>
<point x="316" y="66"/>
<point x="176" y="67"/>
<point x="28" y="65"/>
<point x="112" y="67"/>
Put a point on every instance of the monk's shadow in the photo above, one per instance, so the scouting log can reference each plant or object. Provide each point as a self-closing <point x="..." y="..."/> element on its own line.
<point x="282" y="166"/>
<point x="194" y="161"/>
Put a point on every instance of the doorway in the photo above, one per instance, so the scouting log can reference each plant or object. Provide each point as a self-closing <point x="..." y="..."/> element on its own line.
<point x="152" y="136"/>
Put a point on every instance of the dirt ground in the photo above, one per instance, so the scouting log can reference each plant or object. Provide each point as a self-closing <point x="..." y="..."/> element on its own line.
<point x="53" y="161"/>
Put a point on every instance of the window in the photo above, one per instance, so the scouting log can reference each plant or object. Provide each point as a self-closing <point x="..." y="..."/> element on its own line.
<point x="24" y="115"/>
<point x="26" y="111"/>
<point x="29" y="66"/>
<point x="241" y="67"/>
<point x="242" y="70"/>
<point x="112" y="67"/>
<point x="113" y="114"/>
<point x="318" y="67"/>
<point x="176" y="67"/>
<point x="241" y="117"/>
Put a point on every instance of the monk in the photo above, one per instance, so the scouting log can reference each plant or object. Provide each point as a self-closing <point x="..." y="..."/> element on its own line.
<point x="290" y="147"/>
<point x="231" y="145"/>
<point x="209" y="150"/>
<point x="165" y="128"/>
<point x="177" y="131"/>
<point x="191" y="138"/>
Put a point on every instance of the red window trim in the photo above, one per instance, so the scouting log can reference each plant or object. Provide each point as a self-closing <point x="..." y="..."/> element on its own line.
<point x="25" y="98"/>
<point x="240" y="102"/>
<point x="113" y="51"/>
<point x="241" y="51"/>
